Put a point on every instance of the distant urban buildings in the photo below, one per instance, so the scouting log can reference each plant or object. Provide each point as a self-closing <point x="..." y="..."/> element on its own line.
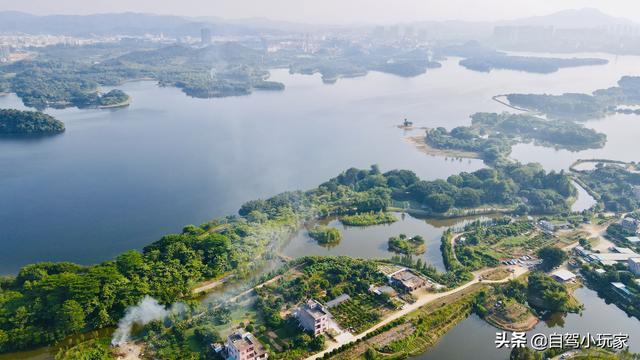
<point x="205" y="36"/>
<point x="5" y="51"/>
<point x="609" y="38"/>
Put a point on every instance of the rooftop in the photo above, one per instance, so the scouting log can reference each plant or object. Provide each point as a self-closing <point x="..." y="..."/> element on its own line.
<point x="241" y="341"/>
<point x="619" y="285"/>
<point x="623" y="250"/>
<point x="609" y="257"/>
<point x="313" y="308"/>
<point x="337" y="301"/>
<point x="407" y="276"/>
<point x="563" y="274"/>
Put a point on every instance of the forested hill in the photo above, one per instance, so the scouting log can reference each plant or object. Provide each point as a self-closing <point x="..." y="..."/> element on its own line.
<point x="28" y="122"/>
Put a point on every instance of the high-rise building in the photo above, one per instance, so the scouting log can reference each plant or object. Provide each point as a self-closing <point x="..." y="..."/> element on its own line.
<point x="205" y="36"/>
<point x="5" y="51"/>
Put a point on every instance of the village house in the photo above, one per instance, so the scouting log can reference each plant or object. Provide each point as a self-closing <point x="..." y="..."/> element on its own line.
<point x="621" y="289"/>
<point x="634" y="265"/>
<point x="313" y="317"/>
<point x="547" y="226"/>
<point x="407" y="280"/>
<point x="630" y="225"/>
<point x="244" y="346"/>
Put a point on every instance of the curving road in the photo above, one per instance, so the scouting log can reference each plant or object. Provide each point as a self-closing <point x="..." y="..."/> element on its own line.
<point x="421" y="301"/>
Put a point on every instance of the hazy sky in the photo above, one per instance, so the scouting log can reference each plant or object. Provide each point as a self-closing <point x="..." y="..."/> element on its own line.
<point x="331" y="11"/>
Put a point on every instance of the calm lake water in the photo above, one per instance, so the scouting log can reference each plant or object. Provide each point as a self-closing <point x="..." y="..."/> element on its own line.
<point x="584" y="200"/>
<point x="474" y="336"/>
<point x="371" y="241"/>
<point x="119" y="179"/>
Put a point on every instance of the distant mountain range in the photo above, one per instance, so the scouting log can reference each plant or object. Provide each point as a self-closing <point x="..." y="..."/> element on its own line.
<point x="574" y="18"/>
<point x="139" y="23"/>
<point x="129" y="24"/>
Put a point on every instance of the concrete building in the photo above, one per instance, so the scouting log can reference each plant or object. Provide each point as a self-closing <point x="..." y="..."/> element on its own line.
<point x="621" y="289"/>
<point x="563" y="275"/>
<point x="244" y="346"/>
<point x="407" y="280"/>
<point x="5" y="53"/>
<point x="633" y="239"/>
<point x="547" y="225"/>
<point x="581" y="251"/>
<point x="313" y="317"/>
<point x="634" y="265"/>
<point x="205" y="36"/>
<point x="622" y="250"/>
<point x="612" y="258"/>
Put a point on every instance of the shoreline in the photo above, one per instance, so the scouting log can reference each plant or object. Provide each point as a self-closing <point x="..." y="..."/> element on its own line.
<point x="497" y="98"/>
<point x="116" y="106"/>
<point x="422" y="146"/>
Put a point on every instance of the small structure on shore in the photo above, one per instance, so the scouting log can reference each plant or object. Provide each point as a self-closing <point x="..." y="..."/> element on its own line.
<point x="563" y="275"/>
<point x="406" y="123"/>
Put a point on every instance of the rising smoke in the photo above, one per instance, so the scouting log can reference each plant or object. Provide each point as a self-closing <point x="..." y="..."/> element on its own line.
<point x="147" y="310"/>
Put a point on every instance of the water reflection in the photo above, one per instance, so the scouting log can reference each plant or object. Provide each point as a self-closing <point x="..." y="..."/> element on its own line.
<point x="371" y="241"/>
<point x="475" y="336"/>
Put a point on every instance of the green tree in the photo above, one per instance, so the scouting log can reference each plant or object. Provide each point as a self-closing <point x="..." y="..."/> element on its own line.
<point x="551" y="257"/>
<point x="439" y="202"/>
<point x="72" y="317"/>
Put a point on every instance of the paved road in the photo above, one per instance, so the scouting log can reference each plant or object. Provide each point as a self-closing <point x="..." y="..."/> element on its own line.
<point x="421" y="301"/>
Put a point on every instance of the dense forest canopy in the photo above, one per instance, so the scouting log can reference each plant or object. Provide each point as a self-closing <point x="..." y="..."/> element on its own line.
<point x="542" y="65"/>
<point x="15" y="122"/>
<point x="582" y="106"/>
<point x="492" y="135"/>
<point x="617" y="187"/>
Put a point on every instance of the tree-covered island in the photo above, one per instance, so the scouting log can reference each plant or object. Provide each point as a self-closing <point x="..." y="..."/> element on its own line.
<point x="16" y="122"/>
<point x="491" y="135"/>
<point x="577" y="106"/>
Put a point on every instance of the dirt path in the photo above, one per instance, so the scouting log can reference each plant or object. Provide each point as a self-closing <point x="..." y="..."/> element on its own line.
<point x="422" y="300"/>
<point x="129" y="351"/>
<point x="208" y="285"/>
<point x="598" y="231"/>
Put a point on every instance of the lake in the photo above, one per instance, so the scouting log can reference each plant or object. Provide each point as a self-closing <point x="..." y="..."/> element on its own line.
<point x="119" y="179"/>
<point x="371" y="241"/>
<point x="474" y="336"/>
